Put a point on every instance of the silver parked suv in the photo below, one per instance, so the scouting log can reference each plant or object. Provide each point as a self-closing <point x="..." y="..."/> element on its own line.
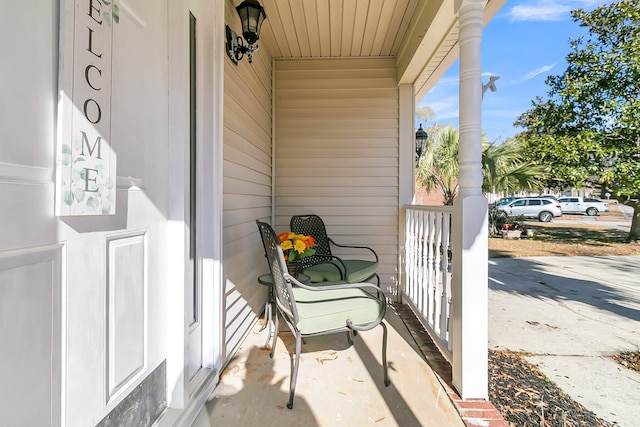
<point x="543" y="208"/>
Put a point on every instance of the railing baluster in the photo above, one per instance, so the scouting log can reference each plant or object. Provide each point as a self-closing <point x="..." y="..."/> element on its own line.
<point x="429" y="264"/>
<point x="428" y="268"/>
<point x="409" y="254"/>
<point x="446" y="279"/>
<point x="438" y="285"/>
<point x="420" y="303"/>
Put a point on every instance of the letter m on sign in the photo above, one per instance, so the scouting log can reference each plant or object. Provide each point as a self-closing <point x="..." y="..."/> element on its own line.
<point x="91" y="148"/>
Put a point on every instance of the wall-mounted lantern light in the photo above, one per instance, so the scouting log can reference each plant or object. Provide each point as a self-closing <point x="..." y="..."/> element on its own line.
<point x="421" y="143"/>
<point x="490" y="85"/>
<point x="252" y="16"/>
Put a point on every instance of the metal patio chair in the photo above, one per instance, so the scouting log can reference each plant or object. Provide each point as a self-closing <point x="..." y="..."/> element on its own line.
<point x="320" y="310"/>
<point x="324" y="265"/>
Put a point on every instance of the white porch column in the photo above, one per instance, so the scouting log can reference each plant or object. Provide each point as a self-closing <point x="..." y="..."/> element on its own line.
<point x="470" y="234"/>
<point x="406" y="166"/>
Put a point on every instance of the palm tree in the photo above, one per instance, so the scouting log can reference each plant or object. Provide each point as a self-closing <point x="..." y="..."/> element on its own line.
<point x="502" y="168"/>
<point x="438" y="169"/>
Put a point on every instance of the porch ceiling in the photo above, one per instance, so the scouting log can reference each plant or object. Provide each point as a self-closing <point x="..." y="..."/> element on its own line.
<point x="422" y="35"/>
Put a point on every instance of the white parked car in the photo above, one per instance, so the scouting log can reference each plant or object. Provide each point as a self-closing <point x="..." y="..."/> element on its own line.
<point x="532" y="207"/>
<point x="577" y="205"/>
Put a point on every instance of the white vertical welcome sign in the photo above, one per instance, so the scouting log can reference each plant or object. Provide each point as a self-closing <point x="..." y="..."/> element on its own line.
<point x="86" y="164"/>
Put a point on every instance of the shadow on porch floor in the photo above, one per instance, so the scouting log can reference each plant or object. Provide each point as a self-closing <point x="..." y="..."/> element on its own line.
<point x="337" y="384"/>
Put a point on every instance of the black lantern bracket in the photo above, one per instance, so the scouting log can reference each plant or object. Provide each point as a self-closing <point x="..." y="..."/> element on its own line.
<point x="251" y="17"/>
<point x="236" y="49"/>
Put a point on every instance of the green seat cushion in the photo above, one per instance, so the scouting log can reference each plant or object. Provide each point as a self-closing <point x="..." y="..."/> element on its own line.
<point x="267" y="279"/>
<point x="358" y="271"/>
<point x="320" y="311"/>
<point x="325" y="272"/>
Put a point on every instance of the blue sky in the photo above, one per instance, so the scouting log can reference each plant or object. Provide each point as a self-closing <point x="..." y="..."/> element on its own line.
<point x="524" y="43"/>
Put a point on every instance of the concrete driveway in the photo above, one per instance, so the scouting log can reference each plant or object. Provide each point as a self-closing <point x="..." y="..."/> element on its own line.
<point x="570" y="314"/>
<point x="618" y="217"/>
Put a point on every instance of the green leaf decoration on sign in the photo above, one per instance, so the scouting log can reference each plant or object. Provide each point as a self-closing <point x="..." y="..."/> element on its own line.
<point x="67" y="198"/>
<point x="65" y="159"/>
<point x="92" y="202"/>
<point x="111" y="15"/>
<point x="78" y="194"/>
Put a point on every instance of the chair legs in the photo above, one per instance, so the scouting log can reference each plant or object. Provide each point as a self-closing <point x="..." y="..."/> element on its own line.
<point x="295" y="362"/>
<point x="268" y="323"/>
<point x="276" y="322"/>
<point x="294" y="371"/>
<point x="384" y="354"/>
<point x="266" y="317"/>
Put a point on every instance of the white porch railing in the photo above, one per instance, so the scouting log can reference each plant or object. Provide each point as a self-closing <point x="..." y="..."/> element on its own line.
<point x="427" y="269"/>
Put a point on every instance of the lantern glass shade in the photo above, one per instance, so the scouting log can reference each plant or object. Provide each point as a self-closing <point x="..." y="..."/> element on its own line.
<point x="252" y="16"/>
<point x="421" y="142"/>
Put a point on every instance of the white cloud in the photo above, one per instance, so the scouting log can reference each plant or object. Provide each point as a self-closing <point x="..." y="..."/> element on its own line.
<point x="446" y="81"/>
<point x="549" y="10"/>
<point x="447" y="115"/>
<point x="534" y="73"/>
<point x="444" y="107"/>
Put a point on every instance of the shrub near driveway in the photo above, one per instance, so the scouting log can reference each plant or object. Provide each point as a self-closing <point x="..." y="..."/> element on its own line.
<point x="564" y="239"/>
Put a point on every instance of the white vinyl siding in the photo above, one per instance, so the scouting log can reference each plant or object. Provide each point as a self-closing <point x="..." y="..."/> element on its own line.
<point x="336" y="138"/>
<point x="246" y="187"/>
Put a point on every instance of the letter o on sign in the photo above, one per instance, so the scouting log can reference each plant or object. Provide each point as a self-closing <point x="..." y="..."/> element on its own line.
<point x="95" y="111"/>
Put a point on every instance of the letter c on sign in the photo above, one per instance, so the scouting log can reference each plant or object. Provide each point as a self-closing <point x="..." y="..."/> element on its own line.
<point x="86" y="75"/>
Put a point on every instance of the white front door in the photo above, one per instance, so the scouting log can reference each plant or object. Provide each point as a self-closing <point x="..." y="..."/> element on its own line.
<point x="91" y="306"/>
<point x="83" y="299"/>
<point x="193" y="282"/>
<point x="116" y="288"/>
<point x="192" y="322"/>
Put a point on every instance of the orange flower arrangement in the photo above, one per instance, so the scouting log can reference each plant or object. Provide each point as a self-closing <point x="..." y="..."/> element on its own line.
<point x="296" y="246"/>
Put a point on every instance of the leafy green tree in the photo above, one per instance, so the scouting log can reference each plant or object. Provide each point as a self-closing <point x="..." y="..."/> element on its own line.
<point x="502" y="166"/>
<point x="587" y="130"/>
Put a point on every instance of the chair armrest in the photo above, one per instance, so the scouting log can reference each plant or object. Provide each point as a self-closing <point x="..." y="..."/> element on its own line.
<point x="320" y="287"/>
<point x="362" y="286"/>
<point x="324" y="259"/>
<point x="354" y="247"/>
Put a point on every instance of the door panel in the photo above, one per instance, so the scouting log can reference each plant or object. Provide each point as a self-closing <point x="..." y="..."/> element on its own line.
<point x="116" y="284"/>
<point x="30" y="325"/>
<point x="194" y="279"/>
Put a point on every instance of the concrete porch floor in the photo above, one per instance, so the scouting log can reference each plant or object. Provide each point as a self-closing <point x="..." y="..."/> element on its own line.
<point x="337" y="384"/>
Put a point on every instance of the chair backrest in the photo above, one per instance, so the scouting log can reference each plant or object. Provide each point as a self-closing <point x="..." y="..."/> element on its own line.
<point x="278" y="267"/>
<point x="312" y="225"/>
